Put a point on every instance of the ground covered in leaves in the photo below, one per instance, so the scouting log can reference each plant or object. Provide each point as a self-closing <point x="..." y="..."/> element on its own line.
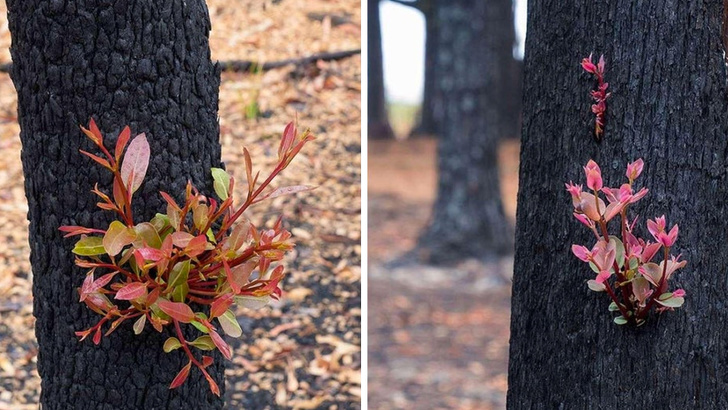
<point x="304" y="352"/>
<point x="438" y="337"/>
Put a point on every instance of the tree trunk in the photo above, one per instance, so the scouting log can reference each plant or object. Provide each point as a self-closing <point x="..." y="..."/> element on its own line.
<point x="431" y="111"/>
<point x="474" y="46"/>
<point x="143" y="63"/>
<point x="377" y="120"/>
<point x="666" y="70"/>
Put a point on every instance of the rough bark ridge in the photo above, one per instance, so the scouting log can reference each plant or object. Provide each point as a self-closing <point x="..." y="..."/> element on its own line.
<point x="473" y="62"/>
<point x="666" y="71"/>
<point x="138" y="62"/>
<point x="377" y="120"/>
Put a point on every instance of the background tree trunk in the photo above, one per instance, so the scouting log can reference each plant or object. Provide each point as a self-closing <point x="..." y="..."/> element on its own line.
<point x="666" y="70"/>
<point x="474" y="45"/>
<point x="143" y="63"/>
<point x="377" y="120"/>
<point x="432" y="109"/>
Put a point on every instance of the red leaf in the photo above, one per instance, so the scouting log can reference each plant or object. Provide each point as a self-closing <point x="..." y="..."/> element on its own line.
<point x="178" y="311"/>
<point x="104" y="163"/>
<point x="181" y="376"/>
<point x="220" y="305"/>
<point x="83" y="334"/>
<point x="97" y="336"/>
<point x="169" y="200"/>
<point x="73" y="230"/>
<point x="289" y="134"/>
<point x="136" y="161"/>
<point x="196" y="245"/>
<point x="153" y="296"/>
<point x="93" y="134"/>
<point x="150" y="254"/>
<point x="131" y="291"/>
<point x="213" y="385"/>
<point x="206" y="361"/>
<point x="118" y="191"/>
<point x="121" y="142"/>
<point x="95" y="131"/>
<point x="223" y="347"/>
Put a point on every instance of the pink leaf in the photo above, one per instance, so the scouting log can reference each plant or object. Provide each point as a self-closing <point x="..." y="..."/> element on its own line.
<point x="150" y="254"/>
<point x="221" y="345"/>
<point x="178" y="311"/>
<point x="135" y="162"/>
<point x="181" y="239"/>
<point x="131" y="291"/>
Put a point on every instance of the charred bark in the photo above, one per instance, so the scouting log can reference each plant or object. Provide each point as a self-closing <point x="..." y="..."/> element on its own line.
<point x="143" y="63"/>
<point x="474" y="44"/>
<point x="666" y="70"/>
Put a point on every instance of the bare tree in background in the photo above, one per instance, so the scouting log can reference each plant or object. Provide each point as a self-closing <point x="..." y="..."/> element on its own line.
<point x="378" y="126"/>
<point x="474" y="63"/>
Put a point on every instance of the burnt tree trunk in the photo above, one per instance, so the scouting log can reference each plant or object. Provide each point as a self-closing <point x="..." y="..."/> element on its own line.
<point x="377" y="120"/>
<point x="143" y="63"/>
<point x="666" y="70"/>
<point x="474" y="43"/>
<point x="432" y="109"/>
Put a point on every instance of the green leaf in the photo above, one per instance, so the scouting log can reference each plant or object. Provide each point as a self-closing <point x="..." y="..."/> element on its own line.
<point x="160" y="221"/>
<point x="89" y="246"/>
<point x="180" y="292"/>
<point x="199" y="216"/>
<point x="116" y="237"/>
<point x="620" y="320"/>
<point x="203" y="343"/>
<point x="671" y="302"/>
<point x="179" y="274"/>
<point x="619" y="250"/>
<point x="230" y="324"/>
<point x="252" y="302"/>
<point x="202" y="328"/>
<point x="221" y="182"/>
<point x="171" y="344"/>
<point x="633" y="262"/>
<point x="613" y="307"/>
<point x="139" y="324"/>
<point x="146" y="233"/>
<point x="211" y="235"/>
<point x="596" y="286"/>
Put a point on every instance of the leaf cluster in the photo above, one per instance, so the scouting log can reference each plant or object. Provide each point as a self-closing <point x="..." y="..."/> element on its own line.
<point x="187" y="265"/>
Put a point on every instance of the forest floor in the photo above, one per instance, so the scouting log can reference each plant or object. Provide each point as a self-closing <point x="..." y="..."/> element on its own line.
<point x="438" y="337"/>
<point x="304" y="352"/>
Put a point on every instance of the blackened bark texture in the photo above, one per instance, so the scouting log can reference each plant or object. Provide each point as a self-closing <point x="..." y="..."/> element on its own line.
<point x="666" y="70"/>
<point x="139" y="62"/>
<point x="377" y="120"/>
<point x="473" y="60"/>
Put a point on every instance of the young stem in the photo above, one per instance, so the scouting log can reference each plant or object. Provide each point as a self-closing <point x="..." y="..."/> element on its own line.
<point x="622" y="309"/>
